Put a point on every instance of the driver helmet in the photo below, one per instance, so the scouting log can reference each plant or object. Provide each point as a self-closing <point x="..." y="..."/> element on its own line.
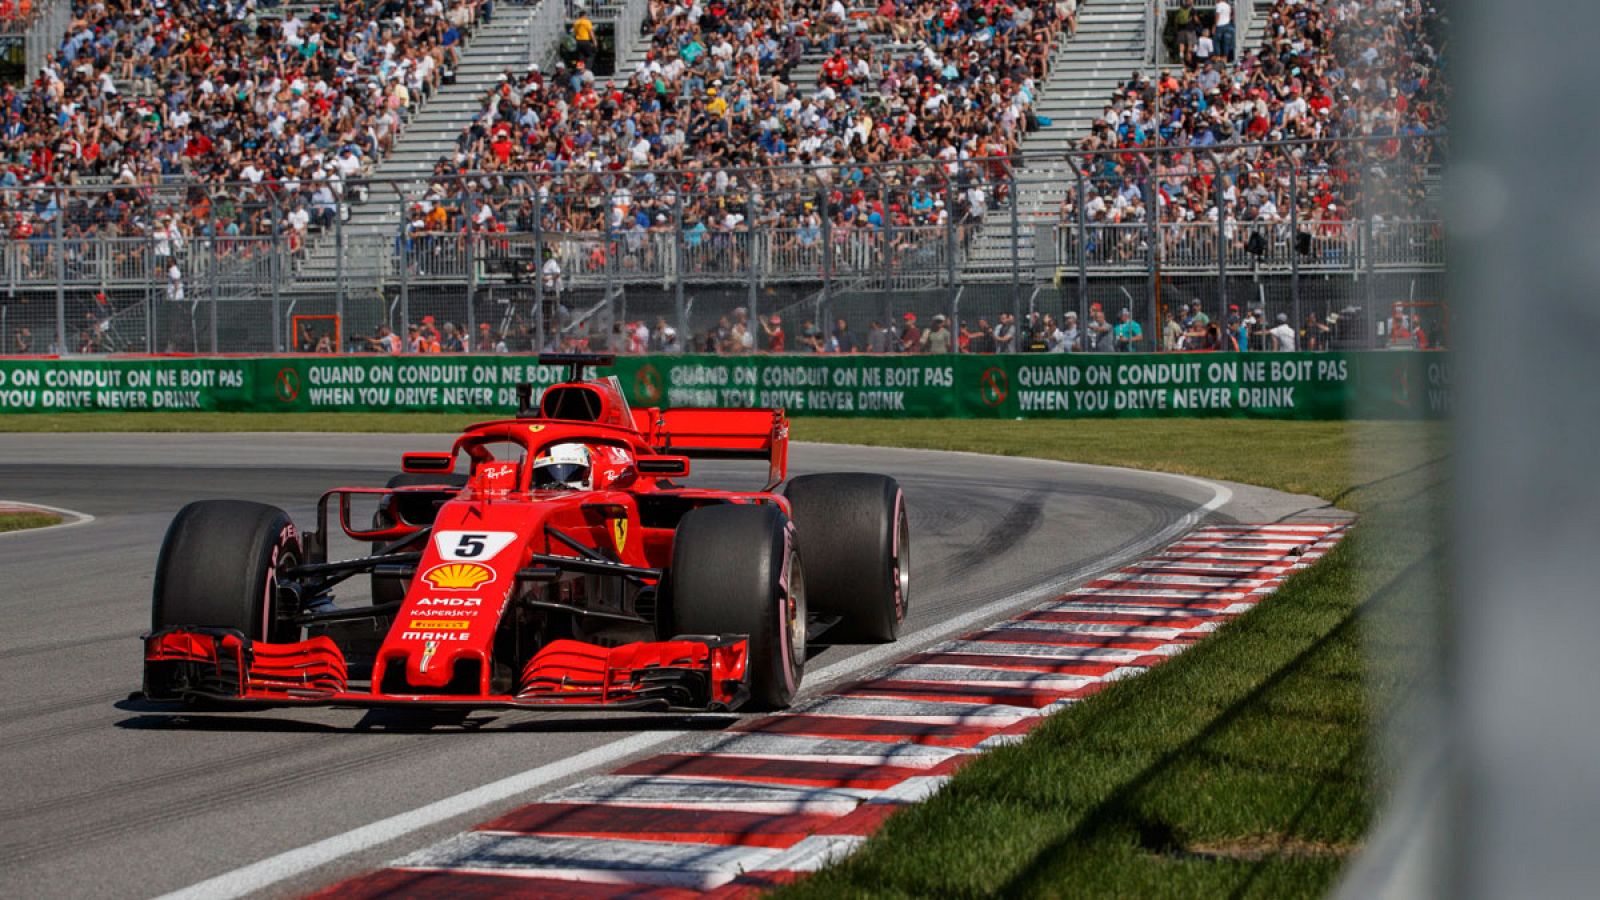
<point x="562" y="466"/>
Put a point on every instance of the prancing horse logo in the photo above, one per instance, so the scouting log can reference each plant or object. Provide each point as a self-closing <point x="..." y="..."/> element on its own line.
<point x="619" y="533"/>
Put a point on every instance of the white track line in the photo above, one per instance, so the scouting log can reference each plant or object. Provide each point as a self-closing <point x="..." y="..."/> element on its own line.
<point x="295" y="863"/>
<point x="284" y="866"/>
<point x="603" y="860"/>
<point x="74" y="517"/>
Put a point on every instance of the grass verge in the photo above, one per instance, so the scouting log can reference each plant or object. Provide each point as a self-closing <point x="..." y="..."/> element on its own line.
<point x="1244" y="767"/>
<point x="1315" y="458"/>
<point x="25" y="520"/>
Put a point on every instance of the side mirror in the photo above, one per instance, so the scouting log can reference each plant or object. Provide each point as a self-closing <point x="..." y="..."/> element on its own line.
<point x="428" y="463"/>
<point x="663" y="466"/>
<point x="377" y="532"/>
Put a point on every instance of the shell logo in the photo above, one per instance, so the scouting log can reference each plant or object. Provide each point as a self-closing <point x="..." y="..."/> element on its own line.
<point x="457" y="576"/>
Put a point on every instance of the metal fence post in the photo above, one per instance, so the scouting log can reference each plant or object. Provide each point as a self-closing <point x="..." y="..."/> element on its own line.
<point x="685" y="335"/>
<point x="1153" y="294"/>
<point x="1083" y="250"/>
<point x="538" y="269"/>
<point x="61" y="275"/>
<point x="1016" y="260"/>
<point x="886" y="235"/>
<point x="159" y="291"/>
<point x="827" y="251"/>
<point x="951" y="249"/>
<point x="616" y="303"/>
<point x="469" y="255"/>
<point x="1294" y="253"/>
<point x="338" y="289"/>
<point x="608" y="239"/>
<point x="1222" y="239"/>
<point x="955" y="320"/>
<point x="754" y="251"/>
<point x="215" y="281"/>
<point x="277" y="274"/>
<point x="403" y="254"/>
<point x="150" y="342"/>
<point x="1368" y="266"/>
<point x="887" y="248"/>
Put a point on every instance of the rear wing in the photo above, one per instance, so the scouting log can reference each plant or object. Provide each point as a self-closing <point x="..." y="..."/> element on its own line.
<point x="726" y="434"/>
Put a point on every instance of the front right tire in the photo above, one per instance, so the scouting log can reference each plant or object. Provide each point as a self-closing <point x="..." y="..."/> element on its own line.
<point x="736" y="570"/>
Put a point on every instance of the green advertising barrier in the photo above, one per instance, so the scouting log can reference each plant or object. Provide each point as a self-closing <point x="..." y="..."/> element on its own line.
<point x="1375" y="384"/>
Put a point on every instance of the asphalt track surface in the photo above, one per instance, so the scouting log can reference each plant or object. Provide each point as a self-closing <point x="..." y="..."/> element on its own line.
<point x="104" y="796"/>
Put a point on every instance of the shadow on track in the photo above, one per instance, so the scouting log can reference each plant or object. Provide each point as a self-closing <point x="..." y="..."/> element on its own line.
<point x="153" y="716"/>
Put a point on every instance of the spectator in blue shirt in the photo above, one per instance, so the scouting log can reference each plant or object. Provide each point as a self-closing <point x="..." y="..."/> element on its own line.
<point x="1127" y="332"/>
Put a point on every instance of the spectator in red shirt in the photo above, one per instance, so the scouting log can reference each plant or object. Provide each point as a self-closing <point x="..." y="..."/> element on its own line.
<point x="911" y="335"/>
<point x="199" y="145"/>
<point x="501" y="146"/>
<point x="773" y="329"/>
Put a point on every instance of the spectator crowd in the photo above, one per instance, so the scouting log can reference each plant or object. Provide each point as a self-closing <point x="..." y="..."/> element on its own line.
<point x="250" y="105"/>
<point x="913" y="115"/>
<point x="911" y="124"/>
<point x="1327" y="72"/>
<point x="1187" y="329"/>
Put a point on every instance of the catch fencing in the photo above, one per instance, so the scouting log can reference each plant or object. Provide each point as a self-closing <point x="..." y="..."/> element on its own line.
<point x="558" y="260"/>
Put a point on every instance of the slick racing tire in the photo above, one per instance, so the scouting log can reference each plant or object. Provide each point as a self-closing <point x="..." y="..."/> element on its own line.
<point x="219" y="568"/>
<point x="735" y="570"/>
<point x="852" y="532"/>
<point x="420" y="508"/>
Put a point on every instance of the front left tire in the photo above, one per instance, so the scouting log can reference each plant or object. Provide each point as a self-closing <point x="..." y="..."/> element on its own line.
<point x="218" y="568"/>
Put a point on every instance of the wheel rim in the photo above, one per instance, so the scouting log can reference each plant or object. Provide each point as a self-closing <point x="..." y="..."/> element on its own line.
<point x="902" y="565"/>
<point x="794" y="609"/>
<point x="287" y="559"/>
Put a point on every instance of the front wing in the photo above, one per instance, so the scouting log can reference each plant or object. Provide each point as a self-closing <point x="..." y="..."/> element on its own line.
<point x="690" y="673"/>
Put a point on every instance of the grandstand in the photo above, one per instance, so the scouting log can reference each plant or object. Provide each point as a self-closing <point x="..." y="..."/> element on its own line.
<point x="1114" y="39"/>
<point x="510" y="43"/>
<point x="798" y="154"/>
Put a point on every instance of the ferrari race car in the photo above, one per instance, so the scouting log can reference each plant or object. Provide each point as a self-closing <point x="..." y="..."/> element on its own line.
<point x="564" y="567"/>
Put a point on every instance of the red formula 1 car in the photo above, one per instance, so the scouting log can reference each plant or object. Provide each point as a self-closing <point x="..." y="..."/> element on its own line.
<point x="565" y="567"/>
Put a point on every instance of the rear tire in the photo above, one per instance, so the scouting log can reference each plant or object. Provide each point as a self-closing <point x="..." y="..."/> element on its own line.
<point x="219" y="566"/>
<point x="853" y="532"/>
<point x="735" y="570"/>
<point x="419" y="507"/>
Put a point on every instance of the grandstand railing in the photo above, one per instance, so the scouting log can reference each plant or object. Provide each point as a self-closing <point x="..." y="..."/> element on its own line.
<point x="1191" y="247"/>
<point x="774" y="237"/>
